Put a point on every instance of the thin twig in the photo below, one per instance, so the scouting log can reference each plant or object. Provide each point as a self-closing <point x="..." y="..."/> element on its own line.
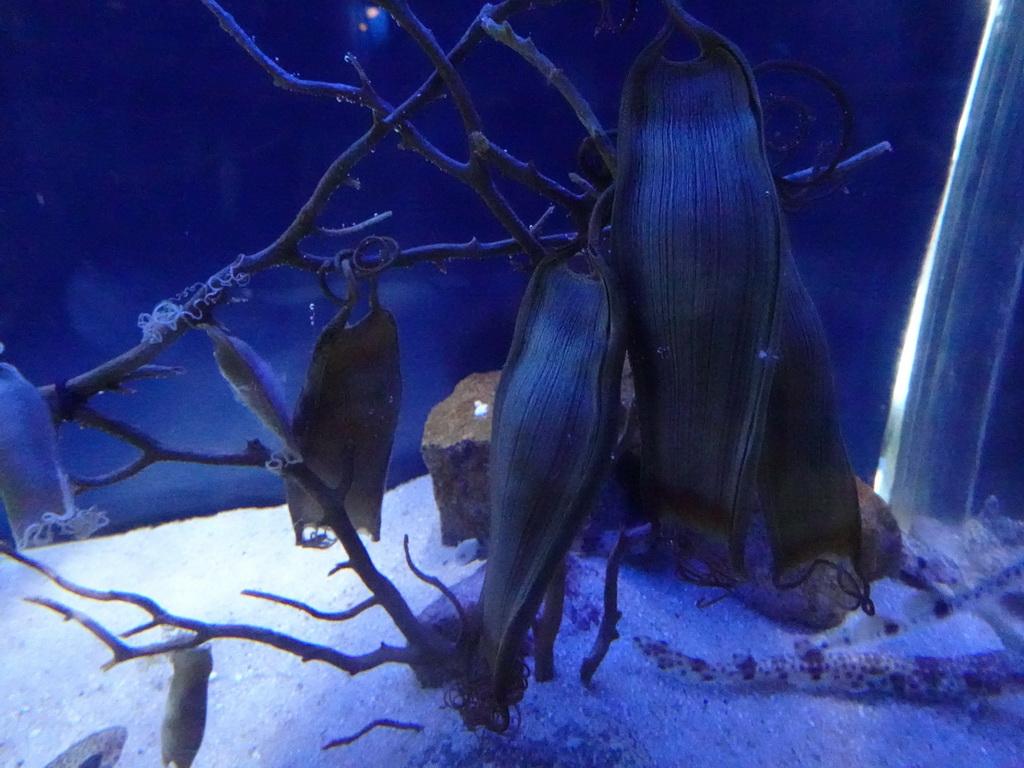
<point x="153" y="451"/>
<point x="352" y="229"/>
<point x="545" y="630"/>
<point x="344" y="742"/>
<point x="525" y="47"/>
<point x="539" y="223"/>
<point x="440" y="586"/>
<point x="474" y="249"/>
<point x="607" y="632"/>
<point x="345" y="615"/>
<point x="847" y="166"/>
<point x="339" y="567"/>
<point x="121" y="651"/>
<point x="577" y="205"/>
<point x="422" y="638"/>
<point x="281" y="78"/>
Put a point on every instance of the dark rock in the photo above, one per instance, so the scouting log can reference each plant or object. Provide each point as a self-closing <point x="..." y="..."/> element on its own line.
<point x="819" y="602"/>
<point x="882" y="540"/>
<point x="816" y="603"/>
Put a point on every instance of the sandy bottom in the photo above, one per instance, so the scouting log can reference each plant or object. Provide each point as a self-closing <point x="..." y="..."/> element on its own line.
<point x="269" y="709"/>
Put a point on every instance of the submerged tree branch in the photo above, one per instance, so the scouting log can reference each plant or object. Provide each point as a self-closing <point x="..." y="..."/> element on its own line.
<point x="608" y="631"/>
<point x="351" y="613"/>
<point x="199" y="631"/>
<point x="285" y="251"/>
<point x="393" y="724"/>
<point x="437" y="584"/>
<point x="281" y="78"/>
<point x="424" y="642"/>
<point x="525" y="47"/>
<point x="254" y="455"/>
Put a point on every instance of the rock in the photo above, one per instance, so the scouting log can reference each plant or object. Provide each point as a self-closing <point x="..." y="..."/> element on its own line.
<point x="456" y="446"/>
<point x="818" y="602"/>
<point x="882" y="540"/>
<point x="456" y="449"/>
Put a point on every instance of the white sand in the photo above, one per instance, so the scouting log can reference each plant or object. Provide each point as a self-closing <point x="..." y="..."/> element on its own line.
<point x="269" y="709"/>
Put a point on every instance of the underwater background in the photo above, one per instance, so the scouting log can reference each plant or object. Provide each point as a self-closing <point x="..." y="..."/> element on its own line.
<point x="142" y="150"/>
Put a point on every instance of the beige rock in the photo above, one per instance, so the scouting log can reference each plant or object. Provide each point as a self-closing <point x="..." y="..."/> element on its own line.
<point x="456" y="448"/>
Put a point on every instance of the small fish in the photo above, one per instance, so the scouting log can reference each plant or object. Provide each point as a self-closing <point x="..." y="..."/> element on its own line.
<point x="99" y="750"/>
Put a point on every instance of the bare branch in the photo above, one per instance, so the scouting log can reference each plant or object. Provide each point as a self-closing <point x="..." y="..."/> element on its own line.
<point x="345" y="615"/>
<point x="607" y="632"/>
<point x="528" y="175"/>
<point x="525" y="47"/>
<point x="467" y="43"/>
<point x="847" y="166"/>
<point x="424" y="38"/>
<point x="254" y="455"/>
<point x="344" y="742"/>
<point x="478" y="177"/>
<point x="339" y="567"/>
<point x="121" y="651"/>
<point x="422" y="638"/>
<point x="281" y="78"/>
<point x="200" y="631"/>
<point x="438" y="253"/>
<point x="437" y="584"/>
<point x="388" y="118"/>
<point x="353" y="228"/>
